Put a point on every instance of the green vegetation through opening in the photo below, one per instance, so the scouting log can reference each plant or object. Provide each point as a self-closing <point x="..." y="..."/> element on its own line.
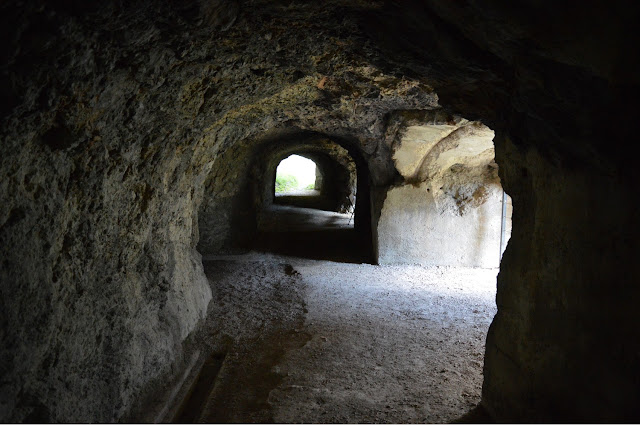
<point x="295" y="173"/>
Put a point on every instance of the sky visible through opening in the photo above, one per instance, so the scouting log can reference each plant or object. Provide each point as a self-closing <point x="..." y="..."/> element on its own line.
<point x="303" y="169"/>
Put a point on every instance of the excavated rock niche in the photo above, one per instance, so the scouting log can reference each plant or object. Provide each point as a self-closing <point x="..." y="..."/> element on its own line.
<point x="448" y="210"/>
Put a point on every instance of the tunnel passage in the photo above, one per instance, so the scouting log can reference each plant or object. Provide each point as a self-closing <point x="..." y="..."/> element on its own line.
<point x="422" y="318"/>
<point x="444" y="206"/>
<point x="319" y="226"/>
<point x="335" y="223"/>
<point x="333" y="188"/>
<point x="105" y="152"/>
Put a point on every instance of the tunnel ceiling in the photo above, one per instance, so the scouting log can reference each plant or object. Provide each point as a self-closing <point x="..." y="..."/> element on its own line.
<point x="368" y="57"/>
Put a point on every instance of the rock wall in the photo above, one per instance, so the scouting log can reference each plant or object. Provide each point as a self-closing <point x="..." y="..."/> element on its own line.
<point x="101" y="281"/>
<point x="449" y="210"/>
<point x="564" y="333"/>
<point x="413" y="229"/>
<point x="550" y="80"/>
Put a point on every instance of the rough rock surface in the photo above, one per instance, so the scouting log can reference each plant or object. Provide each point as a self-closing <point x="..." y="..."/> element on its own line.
<point x="414" y="229"/>
<point x="448" y="210"/>
<point x="114" y="115"/>
<point x="562" y="345"/>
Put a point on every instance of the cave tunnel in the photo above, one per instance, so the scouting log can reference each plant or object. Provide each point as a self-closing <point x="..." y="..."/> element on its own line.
<point x="439" y="233"/>
<point x="150" y="274"/>
<point x="331" y="187"/>
<point x="334" y="224"/>
<point x="319" y="224"/>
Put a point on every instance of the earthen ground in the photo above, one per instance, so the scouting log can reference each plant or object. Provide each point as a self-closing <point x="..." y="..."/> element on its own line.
<point x="326" y="342"/>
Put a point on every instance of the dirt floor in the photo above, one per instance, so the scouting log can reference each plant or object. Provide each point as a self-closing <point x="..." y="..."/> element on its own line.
<point x="292" y="339"/>
<point x="319" y="341"/>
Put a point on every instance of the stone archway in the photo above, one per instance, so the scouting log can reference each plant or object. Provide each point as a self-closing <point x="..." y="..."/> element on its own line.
<point x="230" y="223"/>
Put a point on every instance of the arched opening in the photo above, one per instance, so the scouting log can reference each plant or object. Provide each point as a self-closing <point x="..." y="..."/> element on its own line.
<point x="241" y="211"/>
<point x="318" y="181"/>
<point x="325" y="222"/>
<point x="297" y="174"/>
<point x="450" y="209"/>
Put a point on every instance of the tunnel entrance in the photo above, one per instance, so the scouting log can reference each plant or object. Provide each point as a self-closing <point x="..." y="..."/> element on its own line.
<point x="241" y="210"/>
<point x="330" y="186"/>
<point x="313" y="206"/>
<point x="297" y="174"/>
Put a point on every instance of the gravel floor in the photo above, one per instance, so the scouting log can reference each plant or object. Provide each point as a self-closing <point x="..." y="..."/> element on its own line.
<point x="320" y="342"/>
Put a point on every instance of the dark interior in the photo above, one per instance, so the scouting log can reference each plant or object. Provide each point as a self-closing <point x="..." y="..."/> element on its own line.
<point x="139" y="137"/>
